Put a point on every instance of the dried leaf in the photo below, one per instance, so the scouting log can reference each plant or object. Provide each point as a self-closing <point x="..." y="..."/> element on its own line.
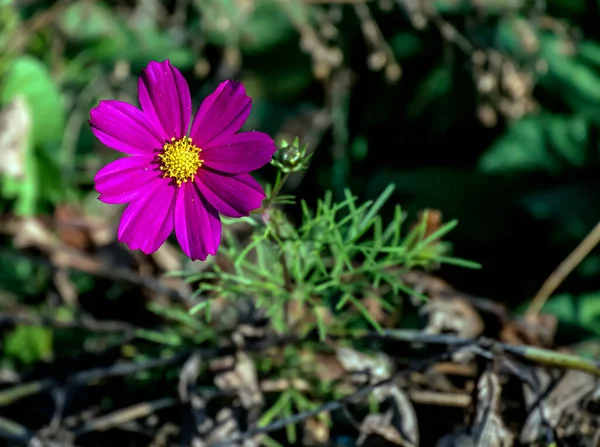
<point x="459" y="400"/>
<point x="168" y="258"/>
<point x="279" y="385"/>
<point x="562" y="402"/>
<point x="101" y="230"/>
<point x="433" y="221"/>
<point x="243" y="379"/>
<point x="538" y="330"/>
<point x="31" y="232"/>
<point x="379" y="424"/>
<point x="302" y="317"/>
<point x="66" y="289"/>
<point x="65" y="258"/>
<point x="452" y="314"/>
<point x="431" y="285"/>
<point x="315" y="432"/>
<point x="225" y="428"/>
<point x="72" y="226"/>
<point x="397" y="424"/>
<point x="325" y="366"/>
<point x="188" y="377"/>
<point x="490" y="430"/>
<point x="372" y="303"/>
<point x="15" y="126"/>
<point x="377" y="366"/>
<point x="365" y="369"/>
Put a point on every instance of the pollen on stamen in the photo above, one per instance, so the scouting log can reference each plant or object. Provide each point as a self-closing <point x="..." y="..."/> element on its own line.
<point x="180" y="160"/>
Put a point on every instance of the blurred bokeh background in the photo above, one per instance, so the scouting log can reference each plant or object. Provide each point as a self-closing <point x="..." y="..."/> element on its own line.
<point x="488" y="111"/>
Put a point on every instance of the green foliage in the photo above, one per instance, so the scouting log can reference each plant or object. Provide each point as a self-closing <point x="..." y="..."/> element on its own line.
<point x="21" y="276"/>
<point x="108" y="37"/>
<point x="581" y="311"/>
<point x="578" y="81"/>
<point x="29" y="77"/>
<point x="88" y="22"/>
<point x="254" y="28"/>
<point x="28" y="344"/>
<point x="437" y="84"/>
<point x="186" y="328"/>
<point x="539" y="143"/>
<point x="523" y="183"/>
<point x="406" y="45"/>
<point x="325" y="264"/>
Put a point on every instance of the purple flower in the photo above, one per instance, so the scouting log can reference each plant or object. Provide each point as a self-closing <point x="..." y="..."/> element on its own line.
<point x="173" y="179"/>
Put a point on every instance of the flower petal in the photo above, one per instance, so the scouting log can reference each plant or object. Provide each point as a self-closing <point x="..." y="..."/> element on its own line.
<point x="240" y="153"/>
<point x="125" y="179"/>
<point x="165" y="98"/>
<point x="231" y="195"/>
<point x="221" y="114"/>
<point x="197" y="223"/>
<point x="148" y="221"/>
<point x="124" y="128"/>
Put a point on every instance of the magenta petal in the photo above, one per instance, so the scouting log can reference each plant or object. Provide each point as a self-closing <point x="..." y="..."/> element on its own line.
<point x="125" y="179"/>
<point x="240" y="153"/>
<point x="232" y="196"/>
<point x="165" y="98"/>
<point x="221" y="114"/>
<point x="124" y="128"/>
<point x="197" y="224"/>
<point x="148" y="221"/>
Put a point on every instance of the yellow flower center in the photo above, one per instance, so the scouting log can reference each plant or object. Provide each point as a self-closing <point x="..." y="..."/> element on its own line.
<point x="180" y="160"/>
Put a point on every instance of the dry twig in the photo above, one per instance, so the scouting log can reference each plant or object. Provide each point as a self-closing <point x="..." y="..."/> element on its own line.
<point x="563" y="270"/>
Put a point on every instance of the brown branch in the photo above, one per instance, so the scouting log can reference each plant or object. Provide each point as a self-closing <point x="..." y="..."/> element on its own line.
<point x="495" y="348"/>
<point x="72" y="259"/>
<point x="80" y="322"/>
<point x="10" y="395"/>
<point x="334" y="2"/>
<point x="563" y="270"/>
<point x="16" y="433"/>
<point x="331" y="405"/>
<point x="125" y="415"/>
<point x="486" y="348"/>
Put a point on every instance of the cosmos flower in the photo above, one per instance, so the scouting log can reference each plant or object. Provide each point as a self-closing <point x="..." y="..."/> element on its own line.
<point x="174" y="179"/>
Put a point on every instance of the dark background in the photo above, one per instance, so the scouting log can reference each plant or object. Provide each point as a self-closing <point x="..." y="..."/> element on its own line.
<point x="486" y="111"/>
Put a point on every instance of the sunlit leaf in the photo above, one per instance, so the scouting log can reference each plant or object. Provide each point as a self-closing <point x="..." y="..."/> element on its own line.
<point x="29" y="344"/>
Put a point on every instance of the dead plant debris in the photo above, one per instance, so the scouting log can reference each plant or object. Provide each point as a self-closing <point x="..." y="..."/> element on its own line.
<point x="472" y="375"/>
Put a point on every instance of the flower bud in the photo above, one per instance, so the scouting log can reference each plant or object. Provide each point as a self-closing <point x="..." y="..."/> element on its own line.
<point x="291" y="157"/>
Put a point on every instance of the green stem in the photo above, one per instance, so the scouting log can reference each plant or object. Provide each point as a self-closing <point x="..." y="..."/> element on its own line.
<point x="279" y="182"/>
<point x="540" y="356"/>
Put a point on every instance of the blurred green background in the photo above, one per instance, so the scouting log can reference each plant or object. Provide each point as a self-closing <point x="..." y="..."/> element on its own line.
<point x="488" y="111"/>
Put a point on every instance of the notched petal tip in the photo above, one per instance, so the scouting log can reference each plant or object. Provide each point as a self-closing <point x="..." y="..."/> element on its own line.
<point x="96" y="112"/>
<point x="222" y="113"/>
<point x="166" y="62"/>
<point x="201" y="258"/>
<point x="157" y="65"/>
<point x="237" y="87"/>
<point x="165" y="98"/>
